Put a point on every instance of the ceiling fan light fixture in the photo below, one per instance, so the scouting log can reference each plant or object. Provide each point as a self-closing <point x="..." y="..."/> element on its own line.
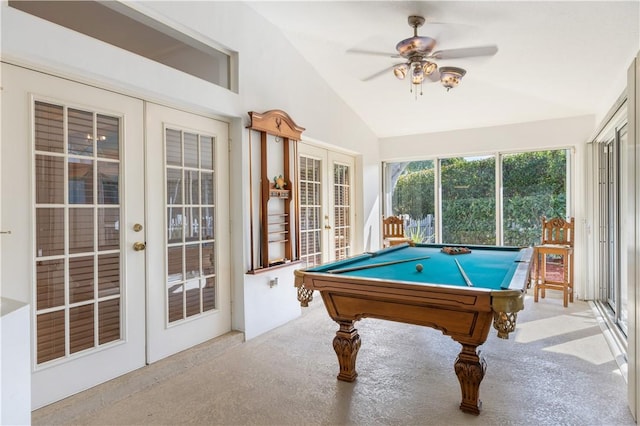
<point x="417" y="74"/>
<point x="400" y="71"/>
<point x="429" y="67"/>
<point x="450" y="76"/>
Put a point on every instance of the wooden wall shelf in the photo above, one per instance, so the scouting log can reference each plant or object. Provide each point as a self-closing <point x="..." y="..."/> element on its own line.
<point x="279" y="236"/>
<point x="278" y="193"/>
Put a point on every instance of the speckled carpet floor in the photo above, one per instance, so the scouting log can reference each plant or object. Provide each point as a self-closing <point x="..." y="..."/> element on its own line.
<point x="556" y="369"/>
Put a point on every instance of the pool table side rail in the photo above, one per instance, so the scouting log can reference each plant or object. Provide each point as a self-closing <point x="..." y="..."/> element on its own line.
<point x="502" y="300"/>
<point x="400" y="291"/>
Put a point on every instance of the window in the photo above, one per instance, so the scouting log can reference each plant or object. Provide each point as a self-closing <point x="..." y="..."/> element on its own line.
<point x="138" y="34"/>
<point x="454" y="200"/>
<point x="415" y="198"/>
<point x="533" y="185"/>
<point x="468" y="200"/>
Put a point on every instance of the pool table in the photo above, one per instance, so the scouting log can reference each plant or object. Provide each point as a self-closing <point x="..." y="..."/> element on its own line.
<point x="460" y="294"/>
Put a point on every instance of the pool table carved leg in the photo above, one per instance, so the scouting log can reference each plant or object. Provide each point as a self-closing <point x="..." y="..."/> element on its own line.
<point x="346" y="344"/>
<point x="470" y="368"/>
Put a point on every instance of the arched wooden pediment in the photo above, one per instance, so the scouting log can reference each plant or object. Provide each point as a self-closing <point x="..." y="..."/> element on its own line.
<point x="275" y="122"/>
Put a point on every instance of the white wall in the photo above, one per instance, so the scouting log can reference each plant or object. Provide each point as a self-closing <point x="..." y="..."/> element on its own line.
<point x="272" y="75"/>
<point x="570" y="133"/>
<point x="559" y="133"/>
<point x="15" y="365"/>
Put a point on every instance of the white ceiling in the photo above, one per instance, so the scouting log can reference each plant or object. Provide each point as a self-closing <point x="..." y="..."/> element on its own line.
<point x="555" y="59"/>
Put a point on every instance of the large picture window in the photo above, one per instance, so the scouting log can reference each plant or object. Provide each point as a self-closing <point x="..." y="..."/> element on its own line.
<point x="490" y="199"/>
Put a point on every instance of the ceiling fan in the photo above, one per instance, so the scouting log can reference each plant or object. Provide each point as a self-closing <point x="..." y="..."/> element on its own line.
<point x="420" y="59"/>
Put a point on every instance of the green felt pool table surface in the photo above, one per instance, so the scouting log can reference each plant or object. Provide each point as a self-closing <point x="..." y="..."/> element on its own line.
<point x="486" y="266"/>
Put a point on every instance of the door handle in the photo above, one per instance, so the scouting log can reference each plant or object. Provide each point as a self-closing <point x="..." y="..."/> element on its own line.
<point x="326" y="222"/>
<point x="138" y="246"/>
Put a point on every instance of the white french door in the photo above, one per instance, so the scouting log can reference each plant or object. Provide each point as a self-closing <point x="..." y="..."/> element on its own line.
<point x="326" y="204"/>
<point x="118" y="212"/>
<point x="73" y="185"/>
<point x="189" y="298"/>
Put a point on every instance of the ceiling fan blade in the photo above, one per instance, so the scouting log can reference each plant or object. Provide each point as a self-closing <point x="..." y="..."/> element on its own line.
<point x="465" y="52"/>
<point x="373" y="53"/>
<point x="381" y="72"/>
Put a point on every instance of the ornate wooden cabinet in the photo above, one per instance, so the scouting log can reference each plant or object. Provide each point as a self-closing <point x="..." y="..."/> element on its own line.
<point x="279" y="234"/>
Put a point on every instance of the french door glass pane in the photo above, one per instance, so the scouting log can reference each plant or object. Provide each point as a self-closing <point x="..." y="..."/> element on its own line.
<point x="208" y="259"/>
<point x="174" y="186"/>
<point x="192" y="223"/>
<point x="108" y="182"/>
<point x="190" y="150"/>
<point x="81" y="328"/>
<point x="50" y="329"/>
<point x="175" y="303"/>
<point x="77" y="239"/>
<point x="80" y="181"/>
<point x="173" y="147"/>
<point x="49" y="127"/>
<point x="49" y="284"/>
<point x="209" y="295"/>
<point x="109" y="228"/>
<point x="207" y="223"/>
<point x="80" y="230"/>
<point x="50" y="226"/>
<point x="191" y="275"/>
<point x="80" y="128"/>
<point x="108" y="321"/>
<point x="174" y="255"/>
<point x="192" y="187"/>
<point x="108" y="275"/>
<point x="468" y="200"/>
<point x="50" y="179"/>
<point x="108" y="137"/>
<point x="206" y="180"/>
<point x="80" y="279"/>
<point x="206" y="153"/>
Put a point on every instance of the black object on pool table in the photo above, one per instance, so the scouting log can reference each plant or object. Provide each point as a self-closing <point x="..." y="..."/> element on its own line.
<point x="374" y="265"/>
<point x="419" y="267"/>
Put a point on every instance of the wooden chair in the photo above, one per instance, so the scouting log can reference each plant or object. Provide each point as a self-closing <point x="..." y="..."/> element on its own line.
<point x="393" y="231"/>
<point x="557" y="240"/>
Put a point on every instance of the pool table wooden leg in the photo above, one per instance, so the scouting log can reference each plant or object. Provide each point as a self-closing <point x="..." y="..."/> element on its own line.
<point x="346" y="344"/>
<point x="470" y="368"/>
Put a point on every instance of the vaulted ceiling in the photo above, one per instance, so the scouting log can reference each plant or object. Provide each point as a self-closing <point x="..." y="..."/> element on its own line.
<point x="555" y="59"/>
